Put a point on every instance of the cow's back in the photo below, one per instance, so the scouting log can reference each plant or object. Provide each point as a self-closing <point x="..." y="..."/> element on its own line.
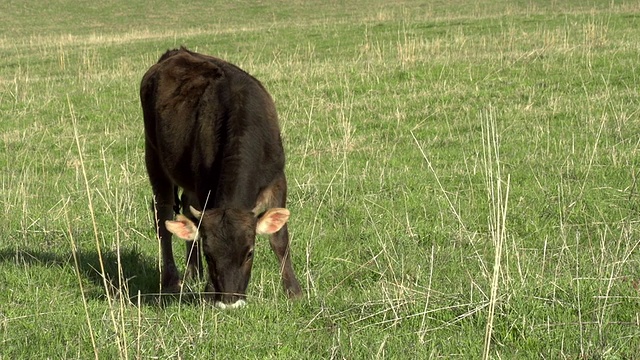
<point x="213" y="127"/>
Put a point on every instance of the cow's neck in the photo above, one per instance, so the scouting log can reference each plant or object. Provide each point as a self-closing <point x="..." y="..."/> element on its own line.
<point x="231" y="189"/>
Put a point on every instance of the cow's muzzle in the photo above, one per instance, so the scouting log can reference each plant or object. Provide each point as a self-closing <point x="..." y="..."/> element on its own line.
<point x="237" y="304"/>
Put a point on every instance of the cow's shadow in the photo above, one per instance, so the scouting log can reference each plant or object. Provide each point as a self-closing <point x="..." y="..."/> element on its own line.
<point x="127" y="273"/>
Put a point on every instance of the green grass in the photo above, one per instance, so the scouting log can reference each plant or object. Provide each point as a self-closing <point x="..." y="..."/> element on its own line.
<point x="462" y="180"/>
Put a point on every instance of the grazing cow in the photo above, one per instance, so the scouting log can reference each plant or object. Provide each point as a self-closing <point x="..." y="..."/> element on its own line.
<point x="212" y="130"/>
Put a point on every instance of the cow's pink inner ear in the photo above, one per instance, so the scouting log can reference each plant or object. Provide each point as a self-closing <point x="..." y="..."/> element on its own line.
<point x="272" y="221"/>
<point x="182" y="228"/>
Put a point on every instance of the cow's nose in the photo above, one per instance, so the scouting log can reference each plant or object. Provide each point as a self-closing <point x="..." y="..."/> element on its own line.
<point x="237" y="304"/>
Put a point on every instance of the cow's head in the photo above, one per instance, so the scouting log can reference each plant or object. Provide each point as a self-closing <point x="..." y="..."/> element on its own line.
<point x="228" y="237"/>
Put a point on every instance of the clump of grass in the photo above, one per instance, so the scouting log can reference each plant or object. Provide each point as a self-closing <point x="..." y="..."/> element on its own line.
<point x="113" y="311"/>
<point x="498" y="197"/>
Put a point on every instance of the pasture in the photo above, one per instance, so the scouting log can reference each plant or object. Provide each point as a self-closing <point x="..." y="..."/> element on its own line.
<point x="462" y="180"/>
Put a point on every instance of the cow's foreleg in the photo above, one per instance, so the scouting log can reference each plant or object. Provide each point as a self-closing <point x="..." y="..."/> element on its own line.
<point x="280" y="246"/>
<point x="194" y="260"/>
<point x="275" y="195"/>
<point x="170" y="278"/>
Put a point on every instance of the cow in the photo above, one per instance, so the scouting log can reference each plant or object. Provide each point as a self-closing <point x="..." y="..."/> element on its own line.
<point x="211" y="130"/>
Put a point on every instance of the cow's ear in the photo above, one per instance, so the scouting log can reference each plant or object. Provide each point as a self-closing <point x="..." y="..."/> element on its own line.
<point x="272" y="221"/>
<point x="182" y="228"/>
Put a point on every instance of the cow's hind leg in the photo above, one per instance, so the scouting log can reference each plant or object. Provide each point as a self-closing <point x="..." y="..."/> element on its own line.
<point x="163" y="203"/>
<point x="275" y="196"/>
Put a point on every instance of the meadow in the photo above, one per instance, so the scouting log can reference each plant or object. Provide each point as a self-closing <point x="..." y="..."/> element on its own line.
<point x="462" y="180"/>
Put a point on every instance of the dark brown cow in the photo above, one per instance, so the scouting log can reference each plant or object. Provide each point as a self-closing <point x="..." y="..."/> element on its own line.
<point x="212" y="130"/>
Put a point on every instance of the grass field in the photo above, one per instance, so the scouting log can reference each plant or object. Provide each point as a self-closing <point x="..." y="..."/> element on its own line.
<point x="462" y="180"/>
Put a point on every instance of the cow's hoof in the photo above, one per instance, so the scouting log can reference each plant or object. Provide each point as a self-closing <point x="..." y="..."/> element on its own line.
<point x="171" y="289"/>
<point x="293" y="290"/>
<point x="171" y="283"/>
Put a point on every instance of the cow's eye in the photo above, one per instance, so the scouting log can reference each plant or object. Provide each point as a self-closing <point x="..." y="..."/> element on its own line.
<point x="249" y="255"/>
